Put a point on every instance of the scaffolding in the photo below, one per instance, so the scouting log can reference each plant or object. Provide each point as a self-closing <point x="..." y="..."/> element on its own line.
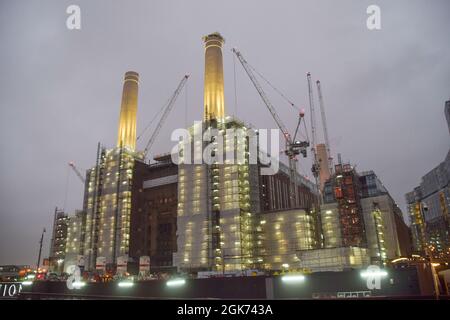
<point x="347" y="193"/>
<point x="218" y="202"/>
<point x="108" y="205"/>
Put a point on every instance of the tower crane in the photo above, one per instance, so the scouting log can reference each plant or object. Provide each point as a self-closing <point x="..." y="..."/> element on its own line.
<point x="293" y="147"/>
<point x="167" y="110"/>
<point x="324" y="125"/>
<point x="77" y="172"/>
<point x="316" y="166"/>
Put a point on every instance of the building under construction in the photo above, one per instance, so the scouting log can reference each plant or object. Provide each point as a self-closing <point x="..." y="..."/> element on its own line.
<point x="191" y="216"/>
<point x="59" y="239"/>
<point x="107" y="200"/>
<point x="222" y="215"/>
<point x="358" y="211"/>
<point x="226" y="210"/>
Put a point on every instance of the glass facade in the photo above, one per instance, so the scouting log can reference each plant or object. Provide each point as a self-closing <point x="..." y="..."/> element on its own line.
<point x="428" y="208"/>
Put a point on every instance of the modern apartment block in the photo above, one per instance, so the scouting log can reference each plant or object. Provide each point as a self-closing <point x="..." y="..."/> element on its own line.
<point x="388" y="235"/>
<point x="58" y="240"/>
<point x="416" y="218"/>
<point x="428" y="209"/>
<point x="75" y="240"/>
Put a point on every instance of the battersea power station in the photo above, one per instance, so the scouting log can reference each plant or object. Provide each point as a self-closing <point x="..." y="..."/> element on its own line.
<point x="180" y="213"/>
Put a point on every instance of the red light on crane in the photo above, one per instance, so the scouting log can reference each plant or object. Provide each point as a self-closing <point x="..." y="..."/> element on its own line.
<point x="302" y="113"/>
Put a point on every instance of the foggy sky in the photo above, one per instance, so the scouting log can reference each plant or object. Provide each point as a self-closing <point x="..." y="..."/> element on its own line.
<point x="60" y="90"/>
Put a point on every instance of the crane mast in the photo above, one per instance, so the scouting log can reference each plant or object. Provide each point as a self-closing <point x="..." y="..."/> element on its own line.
<point x="316" y="166"/>
<point x="325" y="127"/>
<point x="165" y="114"/>
<point x="293" y="147"/>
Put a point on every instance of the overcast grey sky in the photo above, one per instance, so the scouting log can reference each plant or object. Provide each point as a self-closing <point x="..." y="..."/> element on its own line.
<point x="60" y="90"/>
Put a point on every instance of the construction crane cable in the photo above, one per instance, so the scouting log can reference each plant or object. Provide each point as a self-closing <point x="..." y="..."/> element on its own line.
<point x="67" y="188"/>
<point x="153" y="119"/>
<point x="235" y="86"/>
<point x="167" y="109"/>
<point x="296" y="129"/>
<point x="306" y="131"/>
<point x="274" y="88"/>
<point x="186" y="105"/>
<point x="263" y="96"/>
<point x="324" y="125"/>
<point x="77" y="172"/>
<point x="293" y="148"/>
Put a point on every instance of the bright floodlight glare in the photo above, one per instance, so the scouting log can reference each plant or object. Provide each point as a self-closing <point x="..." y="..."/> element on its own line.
<point x="31" y="276"/>
<point x="176" y="282"/>
<point x="293" y="278"/>
<point x="78" y="284"/>
<point x="366" y="274"/>
<point x="126" y="284"/>
<point x="27" y="283"/>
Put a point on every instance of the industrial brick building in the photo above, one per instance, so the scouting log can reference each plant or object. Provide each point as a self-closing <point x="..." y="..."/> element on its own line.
<point x="187" y="216"/>
<point x="154" y="213"/>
